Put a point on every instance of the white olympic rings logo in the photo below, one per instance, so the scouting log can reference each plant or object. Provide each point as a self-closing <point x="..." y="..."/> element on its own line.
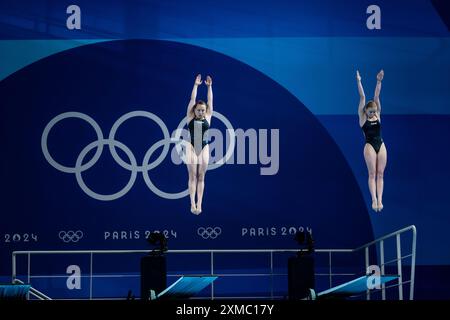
<point x="132" y="166"/>
<point x="71" y="236"/>
<point x="209" y="232"/>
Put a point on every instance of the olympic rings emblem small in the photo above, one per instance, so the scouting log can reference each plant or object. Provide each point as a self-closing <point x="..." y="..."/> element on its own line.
<point x="209" y="232"/>
<point x="70" y="236"/>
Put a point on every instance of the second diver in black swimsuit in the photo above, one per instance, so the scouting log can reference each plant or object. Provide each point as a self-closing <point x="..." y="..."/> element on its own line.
<point x="199" y="114"/>
<point x="375" y="152"/>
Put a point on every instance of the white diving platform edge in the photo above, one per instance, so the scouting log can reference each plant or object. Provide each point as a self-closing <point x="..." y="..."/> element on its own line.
<point x="353" y="287"/>
<point x="185" y="287"/>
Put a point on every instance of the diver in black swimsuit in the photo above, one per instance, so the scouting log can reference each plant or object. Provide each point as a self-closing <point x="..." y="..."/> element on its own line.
<point x="199" y="116"/>
<point x="375" y="152"/>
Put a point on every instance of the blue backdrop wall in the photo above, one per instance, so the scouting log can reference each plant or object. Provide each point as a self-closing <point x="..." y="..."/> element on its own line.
<point x="283" y="71"/>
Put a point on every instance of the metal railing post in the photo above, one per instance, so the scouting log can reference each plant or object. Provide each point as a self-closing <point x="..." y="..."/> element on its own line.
<point x="367" y="267"/>
<point x="212" y="272"/>
<point x="14" y="271"/>
<point x="329" y="268"/>
<point x="271" y="274"/>
<point x="413" y="264"/>
<point x="383" y="286"/>
<point x="399" y="268"/>
<point x="90" y="275"/>
<point x="29" y="273"/>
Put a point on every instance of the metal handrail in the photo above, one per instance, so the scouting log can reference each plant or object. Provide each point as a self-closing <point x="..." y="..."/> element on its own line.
<point x="38" y="294"/>
<point x="270" y="251"/>
<point x="412" y="227"/>
<point x="134" y="275"/>
<point x="399" y="259"/>
<point x="178" y="251"/>
<point x="395" y="260"/>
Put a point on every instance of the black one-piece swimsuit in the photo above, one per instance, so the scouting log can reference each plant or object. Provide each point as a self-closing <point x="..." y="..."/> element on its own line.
<point x="372" y="133"/>
<point x="197" y="126"/>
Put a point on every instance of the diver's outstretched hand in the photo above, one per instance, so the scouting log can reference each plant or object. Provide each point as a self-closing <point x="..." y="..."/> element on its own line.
<point x="380" y="75"/>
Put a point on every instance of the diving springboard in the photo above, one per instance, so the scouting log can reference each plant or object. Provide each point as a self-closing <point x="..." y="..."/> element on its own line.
<point x="14" y="291"/>
<point x="186" y="286"/>
<point x="353" y="287"/>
